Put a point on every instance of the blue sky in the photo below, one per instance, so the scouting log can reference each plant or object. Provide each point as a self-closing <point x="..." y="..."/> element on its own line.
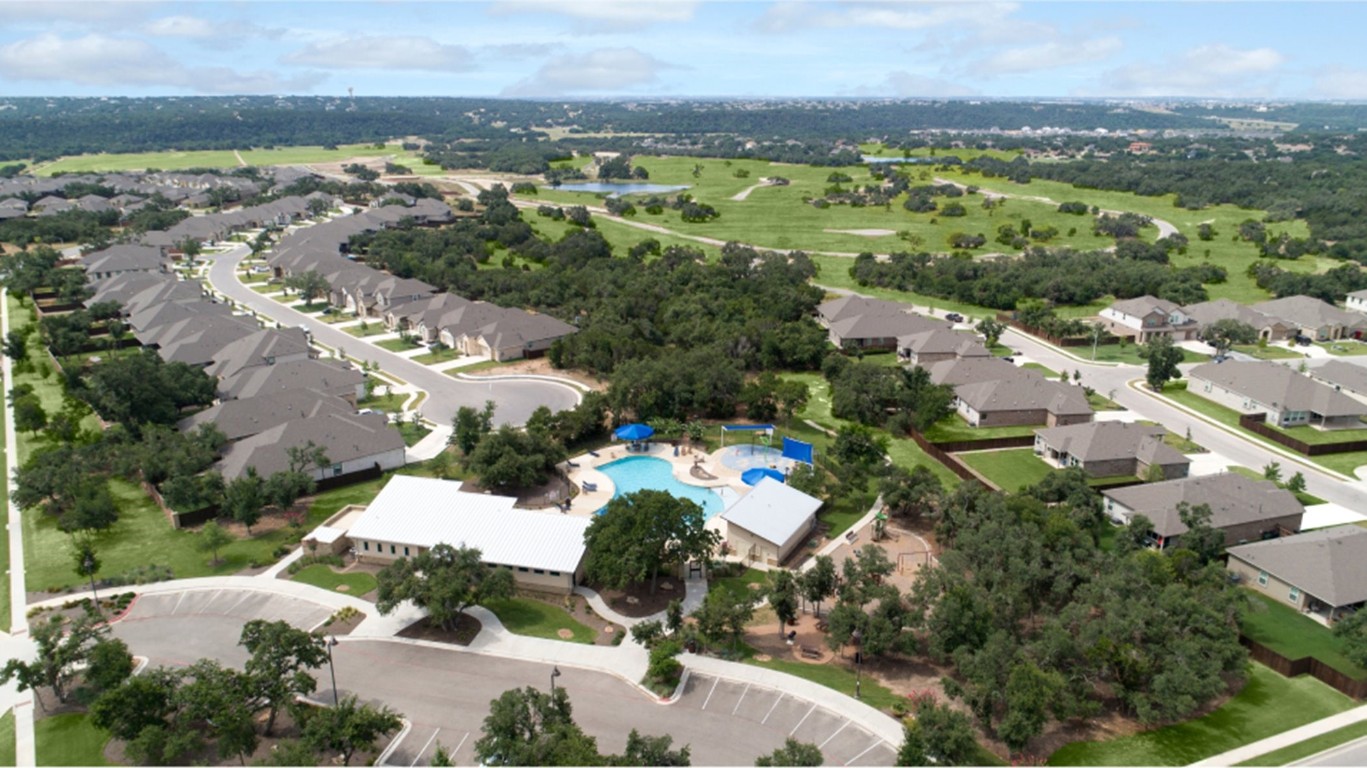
<point x="677" y="48"/>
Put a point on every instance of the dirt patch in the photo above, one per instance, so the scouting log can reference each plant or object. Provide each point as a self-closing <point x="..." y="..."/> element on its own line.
<point x="646" y="604"/>
<point x="467" y="627"/>
<point x="908" y="550"/>
<point x="540" y="366"/>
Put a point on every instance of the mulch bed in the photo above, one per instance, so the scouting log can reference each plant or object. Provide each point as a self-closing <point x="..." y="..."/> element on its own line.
<point x="467" y="627"/>
<point x="636" y="601"/>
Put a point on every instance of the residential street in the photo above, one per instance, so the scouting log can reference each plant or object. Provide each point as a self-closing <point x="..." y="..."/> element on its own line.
<point x="515" y="399"/>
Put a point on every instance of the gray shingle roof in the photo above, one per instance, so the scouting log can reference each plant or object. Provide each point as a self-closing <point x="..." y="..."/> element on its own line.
<point x="344" y="438"/>
<point x="943" y="341"/>
<point x="1209" y="312"/>
<point x="261" y="348"/>
<point x="1025" y="394"/>
<point x="244" y="418"/>
<point x="1110" y="440"/>
<point x="1309" y="312"/>
<point x="322" y="375"/>
<point x="1280" y="387"/>
<point x="1343" y="374"/>
<point x="1233" y="499"/>
<point x="1330" y="564"/>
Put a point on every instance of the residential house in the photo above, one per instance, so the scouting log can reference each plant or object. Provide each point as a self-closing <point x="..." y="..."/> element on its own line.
<point x="424" y="313"/>
<point x="352" y="442"/>
<point x="1147" y="317"/>
<point x="174" y="311"/>
<point x="196" y="340"/>
<point x="268" y="346"/>
<point x="1022" y="400"/>
<point x="1356" y="302"/>
<point x="1112" y="449"/>
<point x="243" y="418"/>
<point x="873" y="324"/>
<point x="396" y="292"/>
<point x="1269" y="328"/>
<point x="939" y="344"/>
<point x="122" y="259"/>
<point x="770" y="522"/>
<point x="1244" y="508"/>
<point x="1288" y="398"/>
<point x="543" y="550"/>
<point x="1315" y="319"/>
<point x="1343" y="376"/>
<point x="974" y="369"/>
<point x="1321" y="572"/>
<point x="327" y="376"/>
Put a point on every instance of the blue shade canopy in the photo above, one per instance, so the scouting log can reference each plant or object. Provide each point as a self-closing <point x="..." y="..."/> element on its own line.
<point x="753" y="476"/>
<point x="633" y="432"/>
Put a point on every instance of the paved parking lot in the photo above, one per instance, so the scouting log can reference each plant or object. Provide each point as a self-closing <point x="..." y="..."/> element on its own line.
<point x="445" y="694"/>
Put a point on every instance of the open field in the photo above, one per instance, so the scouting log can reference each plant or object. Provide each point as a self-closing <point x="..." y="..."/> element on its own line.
<point x="172" y="160"/>
<point x="1268" y="704"/>
<point x="1010" y="469"/>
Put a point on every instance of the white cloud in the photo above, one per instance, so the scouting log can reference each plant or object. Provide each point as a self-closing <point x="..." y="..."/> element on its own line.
<point x="101" y="60"/>
<point x="604" y="69"/>
<point x="1049" y="55"/>
<point x="201" y="29"/>
<point x="1207" y="70"/>
<point x="909" y="85"/>
<point x="380" y="52"/>
<point x="605" y="15"/>
<point x="1340" y="83"/>
<point x="788" y="16"/>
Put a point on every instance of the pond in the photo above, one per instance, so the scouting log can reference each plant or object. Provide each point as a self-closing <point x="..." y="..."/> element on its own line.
<point x="622" y="187"/>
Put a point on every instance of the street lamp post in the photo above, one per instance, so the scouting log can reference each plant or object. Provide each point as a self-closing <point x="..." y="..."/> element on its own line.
<point x="332" y="670"/>
<point x="555" y="672"/>
<point x="857" y="636"/>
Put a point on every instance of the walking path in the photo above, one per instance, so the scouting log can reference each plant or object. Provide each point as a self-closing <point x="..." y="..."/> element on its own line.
<point x="24" y="745"/>
<point x="1287" y="738"/>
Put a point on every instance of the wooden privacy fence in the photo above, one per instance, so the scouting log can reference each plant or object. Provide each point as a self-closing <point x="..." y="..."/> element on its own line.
<point x="1257" y="424"/>
<point x="963" y="471"/>
<point x="1306" y="665"/>
<point x="1071" y="341"/>
<point x="985" y="444"/>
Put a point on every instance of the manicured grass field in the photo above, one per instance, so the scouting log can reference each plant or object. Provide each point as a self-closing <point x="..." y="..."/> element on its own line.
<point x="1321" y="436"/>
<point x="1045" y="371"/>
<point x="1345" y="348"/>
<point x="1283" y="629"/>
<point x="4" y="567"/>
<point x="69" y="739"/>
<point x="534" y="618"/>
<point x="1297" y="752"/>
<point x="1102" y="403"/>
<point x="367" y="328"/>
<point x="740" y="585"/>
<point x="1269" y="352"/>
<point x="320" y="575"/>
<point x="836" y="678"/>
<point x="1268" y="704"/>
<point x="442" y="356"/>
<point x="1010" y="469"/>
<point x="390" y="403"/>
<point x="1115" y="353"/>
<point x="413" y="433"/>
<point x="620" y="235"/>
<point x="397" y="345"/>
<point x="955" y="428"/>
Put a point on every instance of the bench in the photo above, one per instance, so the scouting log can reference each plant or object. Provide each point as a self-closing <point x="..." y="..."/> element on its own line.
<point x="809" y="652"/>
<point x="850" y="536"/>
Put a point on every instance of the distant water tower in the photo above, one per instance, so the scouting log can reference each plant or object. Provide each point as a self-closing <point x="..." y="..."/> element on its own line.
<point x="351" y="92"/>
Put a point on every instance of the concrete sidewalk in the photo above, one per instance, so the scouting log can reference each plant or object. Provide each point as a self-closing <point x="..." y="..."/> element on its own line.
<point x="1287" y="738"/>
<point x="25" y="749"/>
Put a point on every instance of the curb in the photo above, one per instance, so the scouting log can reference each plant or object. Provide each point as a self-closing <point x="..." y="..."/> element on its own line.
<point x="529" y="377"/>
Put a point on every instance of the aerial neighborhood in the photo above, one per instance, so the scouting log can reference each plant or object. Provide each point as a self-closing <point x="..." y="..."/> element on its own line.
<point x="577" y="422"/>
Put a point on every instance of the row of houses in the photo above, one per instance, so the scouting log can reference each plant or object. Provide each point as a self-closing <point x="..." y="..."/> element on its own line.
<point x="1147" y="317"/>
<point x="1287" y="397"/>
<point x="274" y="392"/>
<point x="408" y="305"/>
<point x="46" y="196"/>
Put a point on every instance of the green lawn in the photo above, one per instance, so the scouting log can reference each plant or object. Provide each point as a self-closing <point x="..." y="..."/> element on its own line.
<point x="412" y="433"/>
<point x="390" y="403"/>
<point x="1283" y="629"/>
<point x="440" y="356"/>
<point x="1047" y="372"/>
<point x="7" y="755"/>
<point x="740" y="585"/>
<point x="1268" y="704"/>
<point x="69" y="740"/>
<point x="1321" y="436"/>
<point x="534" y="618"/>
<point x="322" y="576"/>
<point x="271" y="288"/>
<point x="487" y="365"/>
<point x="4" y="567"/>
<point x="836" y="678"/>
<point x="1343" y="348"/>
<point x="1129" y="353"/>
<point x="1269" y="352"/>
<point x="366" y="328"/>
<point x="1297" y="752"/>
<point x="1010" y="469"/>
<point x="397" y="345"/>
<point x="1102" y="403"/>
<point x="955" y="428"/>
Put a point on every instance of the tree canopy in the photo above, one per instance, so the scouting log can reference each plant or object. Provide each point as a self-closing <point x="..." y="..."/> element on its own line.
<point x="640" y="533"/>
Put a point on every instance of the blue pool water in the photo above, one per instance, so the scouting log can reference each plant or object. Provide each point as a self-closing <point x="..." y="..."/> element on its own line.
<point x="635" y="473"/>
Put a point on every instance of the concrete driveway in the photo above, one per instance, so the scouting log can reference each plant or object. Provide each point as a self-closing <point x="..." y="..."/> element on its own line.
<point x="514" y="400"/>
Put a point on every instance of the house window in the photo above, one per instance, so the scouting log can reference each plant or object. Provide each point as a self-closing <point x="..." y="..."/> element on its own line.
<point x="539" y="570"/>
<point x="365" y="545"/>
<point x="520" y="569"/>
<point x="555" y="573"/>
<point x="391" y="550"/>
<point x="1262" y="578"/>
<point x="405" y="551"/>
<point x="1295" y="595"/>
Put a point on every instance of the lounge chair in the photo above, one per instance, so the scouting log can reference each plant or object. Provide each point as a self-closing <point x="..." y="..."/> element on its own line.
<point x="590" y="487"/>
<point x="571" y="465"/>
<point x="594" y="454"/>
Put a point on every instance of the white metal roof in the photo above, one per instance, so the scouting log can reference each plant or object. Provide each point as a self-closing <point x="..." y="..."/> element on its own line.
<point x="772" y="510"/>
<point x="324" y="534"/>
<point x="424" y="511"/>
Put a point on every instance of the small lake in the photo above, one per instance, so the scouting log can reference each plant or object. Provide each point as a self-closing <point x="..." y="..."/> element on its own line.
<point x="621" y="188"/>
<point x="908" y="160"/>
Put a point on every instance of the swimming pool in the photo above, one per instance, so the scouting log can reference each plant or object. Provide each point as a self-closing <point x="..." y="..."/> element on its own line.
<point x="635" y="473"/>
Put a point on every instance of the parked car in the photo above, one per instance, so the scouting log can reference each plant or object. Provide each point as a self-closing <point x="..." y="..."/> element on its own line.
<point x="954" y="317"/>
<point x="1304" y="341"/>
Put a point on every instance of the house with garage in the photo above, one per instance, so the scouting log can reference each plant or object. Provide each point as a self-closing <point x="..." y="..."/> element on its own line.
<point x="250" y="416"/>
<point x="939" y="344"/>
<point x="1287" y="397"/>
<point x="122" y="259"/>
<point x="1207" y="313"/>
<point x="268" y="346"/>
<point x="327" y="376"/>
<point x="770" y="522"/>
<point x="1111" y="449"/>
<point x="543" y="550"/>
<point x="1320" y="573"/>
<point x="424" y="316"/>
<point x="1246" y="509"/>
<point x="872" y="324"/>
<point x="1022" y="400"/>
<point x="352" y="442"/>
<point x="1315" y="319"/>
<point x="1147" y="317"/>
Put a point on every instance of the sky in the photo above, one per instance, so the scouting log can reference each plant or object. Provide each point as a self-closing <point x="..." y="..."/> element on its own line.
<point x="683" y="48"/>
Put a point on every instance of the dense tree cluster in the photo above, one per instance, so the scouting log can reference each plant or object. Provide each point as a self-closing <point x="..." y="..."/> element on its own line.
<point x="880" y="395"/>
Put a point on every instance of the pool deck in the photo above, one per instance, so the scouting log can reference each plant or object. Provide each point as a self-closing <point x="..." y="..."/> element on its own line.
<point x="588" y="502"/>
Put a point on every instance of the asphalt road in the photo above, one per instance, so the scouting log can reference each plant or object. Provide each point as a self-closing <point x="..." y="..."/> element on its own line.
<point x="446" y="693"/>
<point x="1352" y="753"/>
<point x="514" y="400"/>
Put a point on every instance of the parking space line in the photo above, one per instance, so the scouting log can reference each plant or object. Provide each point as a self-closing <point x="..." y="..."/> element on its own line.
<point x="240" y="601"/>
<point x="467" y="735"/>
<point x="823" y="744"/>
<point x="803" y="720"/>
<point x="742" y="698"/>
<point x="212" y="597"/>
<point x="867" y="750"/>
<point x="178" y="602"/>
<point x="715" y="680"/>
<point x="418" y="756"/>
<point x="772" y="708"/>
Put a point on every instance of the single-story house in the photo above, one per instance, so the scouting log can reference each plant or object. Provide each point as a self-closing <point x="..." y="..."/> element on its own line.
<point x="1147" y="317"/>
<point x="1287" y="397"/>
<point x="352" y="442"/>
<point x="1314" y="318"/>
<point x="1021" y="400"/>
<point x="1343" y="376"/>
<point x="1322" y="572"/>
<point x="1356" y="301"/>
<point x="940" y="344"/>
<point x="872" y="323"/>
<point x="1207" y="313"/>
<point x="769" y="522"/>
<point x="1111" y="449"/>
<point x="544" y="550"/>
<point x="1244" y="508"/>
<point x="328" y="376"/>
<point x="122" y="259"/>
<point x="237" y="419"/>
<point x="269" y="346"/>
<point x="974" y="369"/>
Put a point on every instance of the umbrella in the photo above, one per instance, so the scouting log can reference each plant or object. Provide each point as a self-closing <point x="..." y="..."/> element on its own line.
<point x="633" y="432"/>
<point x="753" y="476"/>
